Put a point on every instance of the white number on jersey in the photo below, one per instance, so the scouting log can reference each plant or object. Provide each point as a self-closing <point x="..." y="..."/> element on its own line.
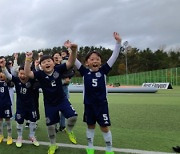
<point x="34" y="114"/>
<point x="53" y="83"/>
<point x="94" y="82"/>
<point x="2" y="89"/>
<point x="105" y="117"/>
<point x="23" y="90"/>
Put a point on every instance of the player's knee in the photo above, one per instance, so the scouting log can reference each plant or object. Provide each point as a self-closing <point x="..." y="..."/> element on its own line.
<point x="104" y="129"/>
<point x="51" y="127"/>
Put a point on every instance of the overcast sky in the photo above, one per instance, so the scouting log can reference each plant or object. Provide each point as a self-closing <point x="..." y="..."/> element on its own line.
<point x="38" y="24"/>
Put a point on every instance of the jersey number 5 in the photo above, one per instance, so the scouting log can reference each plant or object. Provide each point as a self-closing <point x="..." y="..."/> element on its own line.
<point x="94" y="82"/>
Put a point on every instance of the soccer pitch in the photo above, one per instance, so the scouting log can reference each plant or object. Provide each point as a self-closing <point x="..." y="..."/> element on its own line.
<point x="147" y="121"/>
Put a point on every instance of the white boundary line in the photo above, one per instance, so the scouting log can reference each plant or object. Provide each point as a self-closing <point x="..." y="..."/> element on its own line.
<point x="78" y="146"/>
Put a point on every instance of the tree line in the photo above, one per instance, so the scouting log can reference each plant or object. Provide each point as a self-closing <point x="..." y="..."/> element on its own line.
<point x="137" y="60"/>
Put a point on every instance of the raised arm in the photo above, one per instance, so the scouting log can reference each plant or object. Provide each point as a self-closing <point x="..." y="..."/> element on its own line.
<point x="73" y="53"/>
<point x="116" y="50"/>
<point x="27" y="66"/>
<point x="5" y="71"/>
<point x="15" y="65"/>
<point x="78" y="63"/>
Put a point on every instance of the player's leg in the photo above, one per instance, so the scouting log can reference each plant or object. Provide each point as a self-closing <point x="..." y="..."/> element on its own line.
<point x="52" y="118"/>
<point x="8" y="115"/>
<point x="104" y="122"/>
<point x="32" y="127"/>
<point x="52" y="137"/>
<point x="69" y="127"/>
<point x="19" y="117"/>
<point x="9" y="131"/>
<point x="62" y="123"/>
<point x="70" y="114"/>
<point x="62" y="118"/>
<point x="107" y="138"/>
<point x="90" y="138"/>
<point x="36" y="103"/>
<point x="1" y="130"/>
<point x="89" y="118"/>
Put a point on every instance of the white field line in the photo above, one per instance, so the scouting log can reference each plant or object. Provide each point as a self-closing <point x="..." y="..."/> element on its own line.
<point x="78" y="146"/>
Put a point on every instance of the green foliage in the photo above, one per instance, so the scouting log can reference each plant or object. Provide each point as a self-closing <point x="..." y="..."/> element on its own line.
<point x="137" y="60"/>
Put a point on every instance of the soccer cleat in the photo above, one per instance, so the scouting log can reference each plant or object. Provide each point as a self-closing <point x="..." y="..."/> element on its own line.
<point x="90" y="151"/>
<point x="176" y="149"/>
<point x="9" y="140"/>
<point x="109" y="152"/>
<point x="19" y="142"/>
<point x="52" y="149"/>
<point x="1" y="138"/>
<point x="34" y="141"/>
<point x="72" y="137"/>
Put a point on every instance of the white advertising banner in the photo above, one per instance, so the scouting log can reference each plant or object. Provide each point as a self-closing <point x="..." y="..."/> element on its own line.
<point x="159" y="85"/>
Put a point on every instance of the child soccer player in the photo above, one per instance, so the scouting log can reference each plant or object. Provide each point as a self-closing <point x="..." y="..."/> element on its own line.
<point x="95" y="101"/>
<point x="25" y="108"/>
<point x="5" y="109"/>
<point x="54" y="97"/>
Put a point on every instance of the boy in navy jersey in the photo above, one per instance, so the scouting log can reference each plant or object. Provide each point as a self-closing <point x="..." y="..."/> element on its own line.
<point x="5" y="109"/>
<point x="25" y="109"/>
<point x="54" y="96"/>
<point x="95" y="101"/>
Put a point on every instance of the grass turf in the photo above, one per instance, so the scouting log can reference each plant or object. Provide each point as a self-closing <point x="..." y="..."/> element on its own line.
<point x="139" y="121"/>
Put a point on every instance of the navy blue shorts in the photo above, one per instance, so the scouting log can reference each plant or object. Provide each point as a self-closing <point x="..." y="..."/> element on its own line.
<point x="96" y="113"/>
<point x="5" y="112"/>
<point x="25" y="114"/>
<point x="52" y="112"/>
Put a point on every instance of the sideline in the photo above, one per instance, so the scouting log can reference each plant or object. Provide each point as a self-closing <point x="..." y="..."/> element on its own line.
<point x="78" y="146"/>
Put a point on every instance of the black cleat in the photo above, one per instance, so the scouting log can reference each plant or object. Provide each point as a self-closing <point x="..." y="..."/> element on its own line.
<point x="176" y="149"/>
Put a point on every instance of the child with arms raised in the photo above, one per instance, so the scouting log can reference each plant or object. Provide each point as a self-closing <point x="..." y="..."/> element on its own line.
<point x="5" y="107"/>
<point x="95" y="101"/>
<point x="25" y="109"/>
<point x="54" y="97"/>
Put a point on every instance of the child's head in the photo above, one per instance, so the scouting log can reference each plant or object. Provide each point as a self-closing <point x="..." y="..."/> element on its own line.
<point x="64" y="53"/>
<point x="9" y="63"/>
<point x="47" y="63"/>
<point x="21" y="73"/>
<point x="57" y="58"/>
<point x="93" y="60"/>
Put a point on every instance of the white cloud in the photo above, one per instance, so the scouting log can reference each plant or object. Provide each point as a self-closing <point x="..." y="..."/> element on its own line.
<point x="27" y="25"/>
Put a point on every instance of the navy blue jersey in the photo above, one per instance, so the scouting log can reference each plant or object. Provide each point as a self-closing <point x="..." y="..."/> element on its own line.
<point x="4" y="94"/>
<point x="95" y="84"/>
<point x="24" y="93"/>
<point x="52" y="85"/>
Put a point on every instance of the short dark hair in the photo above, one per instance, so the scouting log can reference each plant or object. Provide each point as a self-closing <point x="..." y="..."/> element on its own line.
<point x="21" y="67"/>
<point x="66" y="51"/>
<point x="9" y="62"/>
<point x="56" y="53"/>
<point x="2" y="57"/>
<point x="44" y="57"/>
<point x="90" y="53"/>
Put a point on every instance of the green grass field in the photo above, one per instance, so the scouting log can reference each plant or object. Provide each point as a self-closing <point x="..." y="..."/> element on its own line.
<point x="139" y="121"/>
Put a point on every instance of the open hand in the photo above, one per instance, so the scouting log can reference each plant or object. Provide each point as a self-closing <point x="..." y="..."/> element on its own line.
<point x="117" y="37"/>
